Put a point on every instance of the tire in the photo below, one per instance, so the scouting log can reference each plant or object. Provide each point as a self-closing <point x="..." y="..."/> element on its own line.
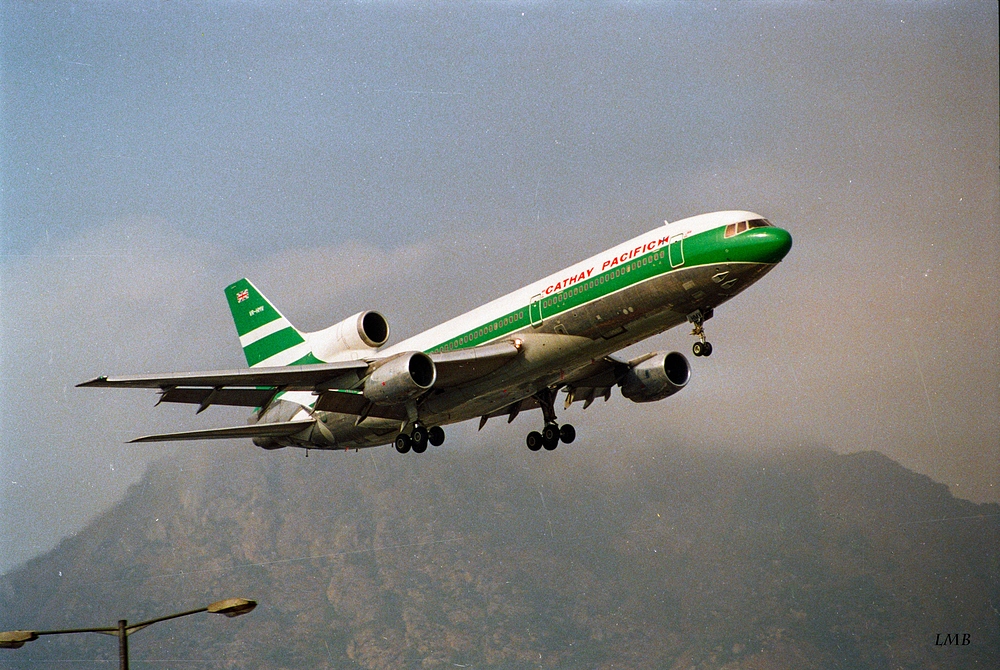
<point x="697" y="349"/>
<point x="402" y="443"/>
<point x="534" y="440"/>
<point x="550" y="436"/>
<point x="436" y="436"/>
<point x="567" y="433"/>
<point x="707" y="350"/>
<point x="418" y="439"/>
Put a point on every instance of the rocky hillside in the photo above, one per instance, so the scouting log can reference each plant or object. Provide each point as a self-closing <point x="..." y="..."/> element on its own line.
<point x="500" y="558"/>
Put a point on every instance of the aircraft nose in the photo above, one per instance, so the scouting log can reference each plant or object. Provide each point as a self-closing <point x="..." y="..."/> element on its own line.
<point x="771" y="244"/>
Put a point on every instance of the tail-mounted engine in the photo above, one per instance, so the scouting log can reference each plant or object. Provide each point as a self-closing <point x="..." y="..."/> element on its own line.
<point x="354" y="337"/>
<point x="400" y="378"/>
<point x="657" y="377"/>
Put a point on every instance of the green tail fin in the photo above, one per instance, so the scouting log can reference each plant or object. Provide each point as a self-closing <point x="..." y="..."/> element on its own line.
<point x="267" y="337"/>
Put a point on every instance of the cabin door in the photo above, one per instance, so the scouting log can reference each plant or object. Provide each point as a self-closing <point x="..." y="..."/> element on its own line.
<point x="535" y="311"/>
<point x="675" y="250"/>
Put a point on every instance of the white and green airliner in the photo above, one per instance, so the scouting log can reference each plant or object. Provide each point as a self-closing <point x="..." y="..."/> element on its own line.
<point x="342" y="388"/>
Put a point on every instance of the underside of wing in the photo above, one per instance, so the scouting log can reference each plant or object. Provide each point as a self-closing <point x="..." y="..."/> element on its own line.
<point x="594" y="381"/>
<point x="354" y="402"/>
<point x="585" y="385"/>
<point x="334" y="382"/>
<point x="205" y="396"/>
<point x="455" y="368"/>
<point x="252" y="387"/>
<point x="283" y="429"/>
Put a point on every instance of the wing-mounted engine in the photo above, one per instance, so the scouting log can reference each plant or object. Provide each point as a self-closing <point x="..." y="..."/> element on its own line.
<point x="354" y="337"/>
<point x="656" y="377"/>
<point x="400" y="378"/>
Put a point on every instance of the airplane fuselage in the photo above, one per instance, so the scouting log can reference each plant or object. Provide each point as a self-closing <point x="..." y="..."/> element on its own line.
<point x="577" y="316"/>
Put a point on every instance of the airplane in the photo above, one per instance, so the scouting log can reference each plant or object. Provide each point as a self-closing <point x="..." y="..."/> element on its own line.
<point x="341" y="388"/>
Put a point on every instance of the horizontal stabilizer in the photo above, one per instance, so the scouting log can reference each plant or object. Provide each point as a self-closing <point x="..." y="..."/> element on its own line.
<point x="282" y="429"/>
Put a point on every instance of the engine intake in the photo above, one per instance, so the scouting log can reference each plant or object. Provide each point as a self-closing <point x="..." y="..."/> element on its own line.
<point x="354" y="337"/>
<point x="656" y="378"/>
<point x="400" y="378"/>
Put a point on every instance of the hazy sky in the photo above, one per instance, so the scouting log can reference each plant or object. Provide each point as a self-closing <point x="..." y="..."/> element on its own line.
<point x="420" y="159"/>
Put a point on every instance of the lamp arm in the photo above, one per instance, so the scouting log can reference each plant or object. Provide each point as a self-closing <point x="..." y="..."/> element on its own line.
<point x="136" y="627"/>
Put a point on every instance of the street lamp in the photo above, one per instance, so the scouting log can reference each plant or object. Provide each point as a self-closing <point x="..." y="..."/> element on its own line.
<point x="231" y="607"/>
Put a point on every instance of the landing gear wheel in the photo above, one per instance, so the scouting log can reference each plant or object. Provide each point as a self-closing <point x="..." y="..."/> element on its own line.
<point x="534" y="440"/>
<point x="435" y="436"/>
<point x="402" y="443"/>
<point x="418" y="438"/>
<point x="550" y="436"/>
<point x="567" y="433"/>
<point x="698" y="317"/>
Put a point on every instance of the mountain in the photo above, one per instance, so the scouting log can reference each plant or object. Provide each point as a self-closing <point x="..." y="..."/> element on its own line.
<point x="495" y="557"/>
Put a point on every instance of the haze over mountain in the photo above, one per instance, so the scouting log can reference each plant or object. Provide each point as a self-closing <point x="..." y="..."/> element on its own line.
<point x="495" y="557"/>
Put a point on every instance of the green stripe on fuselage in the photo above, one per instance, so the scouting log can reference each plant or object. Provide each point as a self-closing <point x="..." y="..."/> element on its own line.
<point x="759" y="245"/>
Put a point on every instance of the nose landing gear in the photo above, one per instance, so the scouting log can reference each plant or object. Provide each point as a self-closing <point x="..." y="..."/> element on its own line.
<point x="702" y="347"/>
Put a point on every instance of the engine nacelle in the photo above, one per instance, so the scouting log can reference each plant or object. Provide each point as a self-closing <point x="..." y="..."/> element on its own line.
<point x="656" y="378"/>
<point x="354" y="337"/>
<point x="400" y="378"/>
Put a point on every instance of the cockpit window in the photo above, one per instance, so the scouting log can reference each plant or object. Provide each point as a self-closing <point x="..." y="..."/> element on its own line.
<point x="736" y="228"/>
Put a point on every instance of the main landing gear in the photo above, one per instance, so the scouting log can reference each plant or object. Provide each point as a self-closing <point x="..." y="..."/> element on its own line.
<point x="552" y="434"/>
<point x="702" y="347"/>
<point x="419" y="438"/>
<point x="550" y="437"/>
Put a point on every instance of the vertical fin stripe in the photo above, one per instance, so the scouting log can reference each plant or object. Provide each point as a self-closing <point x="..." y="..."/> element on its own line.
<point x="275" y="343"/>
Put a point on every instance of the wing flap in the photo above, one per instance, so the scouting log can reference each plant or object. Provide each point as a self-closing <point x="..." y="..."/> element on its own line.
<point x="283" y="429"/>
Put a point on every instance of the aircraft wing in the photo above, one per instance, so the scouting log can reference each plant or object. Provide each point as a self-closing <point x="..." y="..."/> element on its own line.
<point x="256" y="387"/>
<point x="282" y="429"/>
<point x="317" y="377"/>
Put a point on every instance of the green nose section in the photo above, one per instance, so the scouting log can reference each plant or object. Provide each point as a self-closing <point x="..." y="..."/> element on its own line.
<point x="769" y="245"/>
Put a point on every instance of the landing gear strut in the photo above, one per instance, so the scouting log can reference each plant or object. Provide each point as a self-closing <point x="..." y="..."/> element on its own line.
<point x="418" y="439"/>
<point x="702" y="347"/>
<point x="551" y="433"/>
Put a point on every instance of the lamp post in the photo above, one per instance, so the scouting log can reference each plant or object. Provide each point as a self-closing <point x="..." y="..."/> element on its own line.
<point x="231" y="607"/>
